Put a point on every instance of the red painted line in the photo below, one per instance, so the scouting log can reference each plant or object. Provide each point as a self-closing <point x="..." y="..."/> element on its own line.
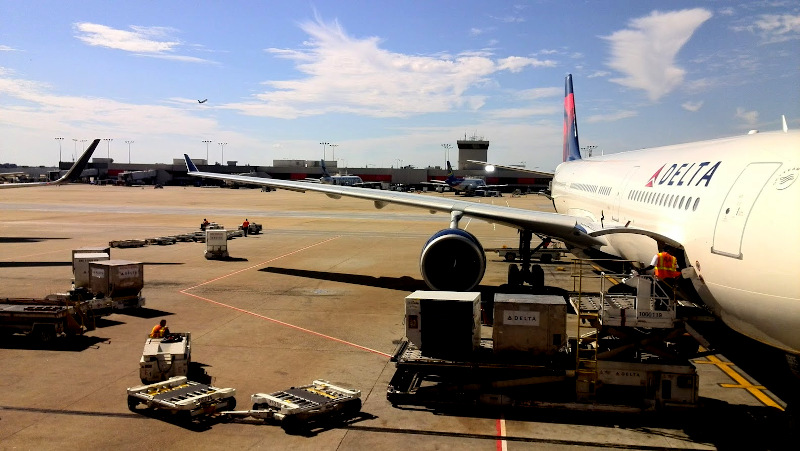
<point x="301" y="329"/>
<point x="500" y="425"/>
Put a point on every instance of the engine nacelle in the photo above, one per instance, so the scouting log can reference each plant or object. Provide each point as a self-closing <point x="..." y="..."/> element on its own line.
<point x="452" y="260"/>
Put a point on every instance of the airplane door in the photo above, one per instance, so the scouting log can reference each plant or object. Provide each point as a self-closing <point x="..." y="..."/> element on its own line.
<point x="736" y="208"/>
<point x="620" y="191"/>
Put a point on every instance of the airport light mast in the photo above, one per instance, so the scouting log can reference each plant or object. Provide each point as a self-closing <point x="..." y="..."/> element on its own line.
<point x="447" y="148"/>
<point x="333" y="151"/>
<point x="222" y="145"/>
<point x="207" y="141"/>
<point x="59" y="150"/>
<point x="74" y="152"/>
<point x="129" y="142"/>
<point x="108" y="149"/>
<point x="323" y="149"/>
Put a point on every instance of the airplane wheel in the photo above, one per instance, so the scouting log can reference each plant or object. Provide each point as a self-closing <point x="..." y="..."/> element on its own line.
<point x="514" y="277"/>
<point x="510" y="256"/>
<point x="536" y="277"/>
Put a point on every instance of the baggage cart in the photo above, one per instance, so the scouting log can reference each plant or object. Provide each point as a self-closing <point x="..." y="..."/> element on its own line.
<point x="181" y="397"/>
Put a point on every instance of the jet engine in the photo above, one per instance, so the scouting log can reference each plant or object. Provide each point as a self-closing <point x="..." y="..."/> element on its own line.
<point x="452" y="260"/>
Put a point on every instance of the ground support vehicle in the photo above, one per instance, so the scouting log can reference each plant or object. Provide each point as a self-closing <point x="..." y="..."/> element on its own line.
<point x="166" y="357"/>
<point x="183" y="398"/>
<point x="298" y="406"/>
<point x="253" y="228"/>
<point x="43" y="321"/>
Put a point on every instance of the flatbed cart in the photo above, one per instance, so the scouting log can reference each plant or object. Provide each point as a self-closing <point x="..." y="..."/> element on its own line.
<point x="296" y="406"/>
<point x="181" y="397"/>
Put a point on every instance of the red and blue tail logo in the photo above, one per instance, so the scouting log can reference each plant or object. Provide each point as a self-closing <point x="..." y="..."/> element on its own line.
<point x="571" y="148"/>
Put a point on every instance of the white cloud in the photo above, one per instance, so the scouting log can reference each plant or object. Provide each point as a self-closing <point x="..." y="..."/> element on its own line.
<point x="749" y="117"/>
<point x="692" y="106"/>
<point x="540" y="93"/>
<point x="773" y="28"/>
<point x="599" y="73"/>
<point x="5" y="48"/>
<point x="645" y="51"/>
<point x="612" y="117"/>
<point x="143" y="41"/>
<point x="344" y="74"/>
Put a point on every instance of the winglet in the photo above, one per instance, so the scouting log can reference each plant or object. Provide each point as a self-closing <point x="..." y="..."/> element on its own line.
<point x="571" y="150"/>
<point x="77" y="168"/>
<point x="190" y="167"/>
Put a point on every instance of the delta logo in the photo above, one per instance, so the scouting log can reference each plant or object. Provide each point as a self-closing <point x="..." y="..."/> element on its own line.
<point x="683" y="174"/>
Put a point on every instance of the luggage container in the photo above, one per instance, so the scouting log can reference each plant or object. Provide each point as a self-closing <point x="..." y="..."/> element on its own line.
<point x="116" y="278"/>
<point x="444" y="323"/>
<point x="80" y="267"/>
<point x="526" y="324"/>
<point x="216" y="244"/>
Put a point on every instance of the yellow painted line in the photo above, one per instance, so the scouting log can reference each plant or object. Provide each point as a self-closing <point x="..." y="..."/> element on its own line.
<point x="755" y="390"/>
<point x="611" y="279"/>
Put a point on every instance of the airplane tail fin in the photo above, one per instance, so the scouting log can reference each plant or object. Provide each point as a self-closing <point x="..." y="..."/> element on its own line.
<point x="571" y="149"/>
<point x="451" y="176"/>
<point x="324" y="169"/>
<point x="77" y="168"/>
<point x="190" y="167"/>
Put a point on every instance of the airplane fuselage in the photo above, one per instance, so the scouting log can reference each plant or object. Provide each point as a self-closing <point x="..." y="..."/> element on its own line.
<point x="732" y="204"/>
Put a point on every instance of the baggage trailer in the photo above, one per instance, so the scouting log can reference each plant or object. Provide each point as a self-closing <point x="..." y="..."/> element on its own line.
<point x="163" y="358"/>
<point x="296" y="406"/>
<point x="182" y="398"/>
<point x="44" y="322"/>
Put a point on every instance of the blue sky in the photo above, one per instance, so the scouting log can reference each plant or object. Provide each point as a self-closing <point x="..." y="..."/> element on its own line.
<point x="387" y="81"/>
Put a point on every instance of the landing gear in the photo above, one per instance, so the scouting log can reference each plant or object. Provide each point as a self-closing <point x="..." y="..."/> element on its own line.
<point x="525" y="272"/>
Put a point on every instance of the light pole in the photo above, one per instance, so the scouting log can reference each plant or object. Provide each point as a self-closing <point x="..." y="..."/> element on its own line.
<point x="207" y="141"/>
<point x="333" y="151"/>
<point x="59" y="151"/>
<point x="323" y="149"/>
<point x="447" y="148"/>
<point x="75" y="152"/>
<point x="222" y="145"/>
<point x="588" y="150"/>
<point x="129" y="142"/>
<point x="108" y="149"/>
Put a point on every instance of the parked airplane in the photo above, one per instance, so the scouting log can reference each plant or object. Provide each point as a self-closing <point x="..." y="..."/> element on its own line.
<point x="342" y="180"/>
<point x="72" y="174"/>
<point x="466" y="186"/>
<point x="729" y="206"/>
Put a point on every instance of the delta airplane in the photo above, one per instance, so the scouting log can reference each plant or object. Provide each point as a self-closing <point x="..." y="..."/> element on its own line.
<point x="464" y="185"/>
<point x="729" y="206"/>
<point x="72" y="174"/>
<point x="342" y="180"/>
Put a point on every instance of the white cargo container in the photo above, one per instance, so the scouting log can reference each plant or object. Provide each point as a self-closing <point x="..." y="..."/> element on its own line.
<point x="80" y="267"/>
<point x="444" y="324"/>
<point x="529" y="324"/>
<point x="216" y="243"/>
<point x="116" y="278"/>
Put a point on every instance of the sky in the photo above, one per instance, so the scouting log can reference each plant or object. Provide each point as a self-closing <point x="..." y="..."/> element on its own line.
<point x="386" y="83"/>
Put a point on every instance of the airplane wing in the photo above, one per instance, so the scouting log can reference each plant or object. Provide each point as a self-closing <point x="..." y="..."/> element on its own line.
<point x="512" y="168"/>
<point x="72" y="174"/>
<point x="569" y="229"/>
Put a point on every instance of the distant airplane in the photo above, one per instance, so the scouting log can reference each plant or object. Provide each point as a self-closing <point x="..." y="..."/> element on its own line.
<point x="466" y="186"/>
<point x="342" y="180"/>
<point x="728" y="207"/>
<point x="202" y="101"/>
<point x="73" y="173"/>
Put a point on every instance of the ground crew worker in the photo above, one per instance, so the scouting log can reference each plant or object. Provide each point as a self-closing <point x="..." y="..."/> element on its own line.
<point x="160" y="330"/>
<point x="204" y="224"/>
<point x="666" y="265"/>
<point x="245" y="227"/>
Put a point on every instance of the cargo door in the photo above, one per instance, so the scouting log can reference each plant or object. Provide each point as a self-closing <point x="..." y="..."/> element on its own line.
<point x="736" y="208"/>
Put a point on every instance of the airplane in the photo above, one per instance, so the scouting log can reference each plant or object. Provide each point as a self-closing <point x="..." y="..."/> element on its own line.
<point x="202" y="101"/>
<point x="729" y="207"/>
<point x="72" y="174"/>
<point x="343" y="180"/>
<point x="467" y="186"/>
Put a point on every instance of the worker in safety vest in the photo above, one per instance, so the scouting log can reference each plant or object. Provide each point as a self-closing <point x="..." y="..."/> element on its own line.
<point x="245" y="226"/>
<point x="666" y="265"/>
<point x="160" y="330"/>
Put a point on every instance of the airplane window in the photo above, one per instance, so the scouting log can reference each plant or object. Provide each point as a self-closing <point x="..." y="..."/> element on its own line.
<point x="696" y="201"/>
<point x="661" y="199"/>
<point x="688" y="202"/>
<point x="674" y="201"/>
<point x="680" y="205"/>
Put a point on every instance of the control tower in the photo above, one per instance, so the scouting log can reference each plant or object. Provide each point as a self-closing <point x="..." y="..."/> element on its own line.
<point x="472" y="148"/>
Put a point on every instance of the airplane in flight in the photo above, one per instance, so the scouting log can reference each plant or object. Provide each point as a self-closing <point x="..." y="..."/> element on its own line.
<point x="202" y="101"/>
<point x="72" y="174"/>
<point x="728" y="206"/>
<point x="466" y="186"/>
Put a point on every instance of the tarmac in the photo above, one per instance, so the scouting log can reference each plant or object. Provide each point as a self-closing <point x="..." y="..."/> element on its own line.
<point x="318" y="295"/>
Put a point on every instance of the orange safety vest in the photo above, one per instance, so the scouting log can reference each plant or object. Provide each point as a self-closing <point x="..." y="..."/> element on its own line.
<point x="666" y="266"/>
<point x="158" y="332"/>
